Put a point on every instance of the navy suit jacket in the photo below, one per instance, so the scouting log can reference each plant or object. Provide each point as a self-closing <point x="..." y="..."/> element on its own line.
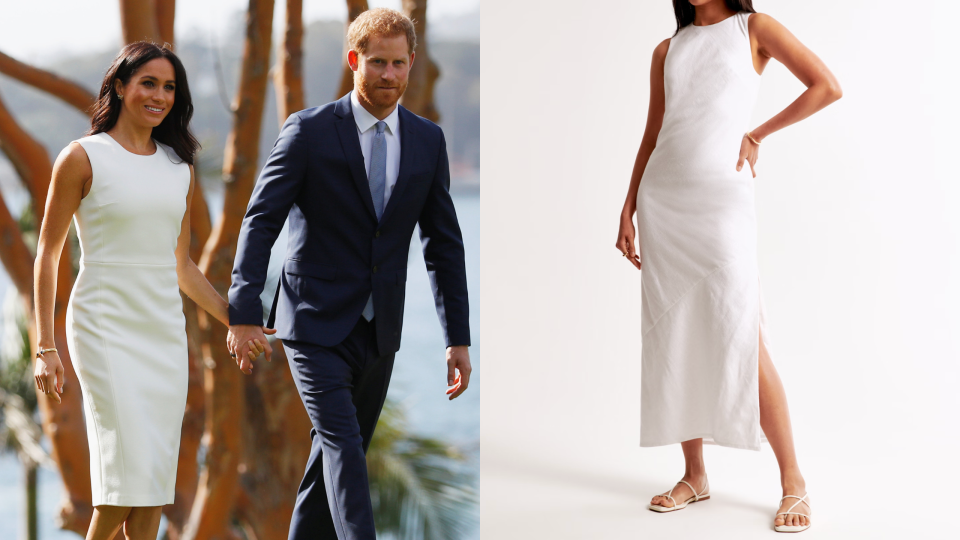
<point x="337" y="251"/>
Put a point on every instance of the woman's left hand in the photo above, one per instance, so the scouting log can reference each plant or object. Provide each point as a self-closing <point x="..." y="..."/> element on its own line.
<point x="749" y="152"/>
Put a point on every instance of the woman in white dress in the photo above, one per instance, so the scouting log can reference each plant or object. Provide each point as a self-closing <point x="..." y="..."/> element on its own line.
<point x="706" y="369"/>
<point x="128" y="184"/>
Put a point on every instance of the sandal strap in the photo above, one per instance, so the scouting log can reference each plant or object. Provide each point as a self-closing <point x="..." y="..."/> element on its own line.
<point x="799" y="500"/>
<point x="695" y="496"/>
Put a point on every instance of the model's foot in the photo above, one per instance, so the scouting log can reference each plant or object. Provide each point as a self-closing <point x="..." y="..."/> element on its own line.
<point x="681" y="492"/>
<point x="793" y="520"/>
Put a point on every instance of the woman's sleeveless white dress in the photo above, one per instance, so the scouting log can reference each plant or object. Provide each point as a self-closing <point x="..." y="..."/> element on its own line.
<point x="701" y="308"/>
<point x="125" y="325"/>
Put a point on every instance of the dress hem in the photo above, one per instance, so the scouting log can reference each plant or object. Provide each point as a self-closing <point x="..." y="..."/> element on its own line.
<point x="707" y="439"/>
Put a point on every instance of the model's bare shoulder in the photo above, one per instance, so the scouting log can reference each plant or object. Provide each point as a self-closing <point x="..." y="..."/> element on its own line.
<point x="660" y="52"/>
<point x="73" y="161"/>
<point x="764" y="27"/>
<point x="72" y="169"/>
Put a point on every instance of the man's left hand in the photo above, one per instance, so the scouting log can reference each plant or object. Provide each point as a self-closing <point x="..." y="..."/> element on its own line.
<point x="458" y="370"/>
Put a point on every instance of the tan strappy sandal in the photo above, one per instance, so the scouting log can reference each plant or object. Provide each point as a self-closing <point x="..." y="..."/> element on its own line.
<point x="697" y="497"/>
<point x="794" y="528"/>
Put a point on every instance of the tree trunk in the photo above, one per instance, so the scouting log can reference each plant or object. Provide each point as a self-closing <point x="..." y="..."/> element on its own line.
<point x="166" y="9"/>
<point x="138" y="20"/>
<point x="276" y="449"/>
<point x="67" y="90"/>
<point x="354" y="9"/>
<point x="30" y="500"/>
<point x="423" y="76"/>
<point x="288" y="78"/>
<point x="63" y="424"/>
<point x="216" y="496"/>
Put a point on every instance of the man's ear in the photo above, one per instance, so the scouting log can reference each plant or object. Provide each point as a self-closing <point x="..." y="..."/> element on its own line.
<point x="412" y="55"/>
<point x="353" y="60"/>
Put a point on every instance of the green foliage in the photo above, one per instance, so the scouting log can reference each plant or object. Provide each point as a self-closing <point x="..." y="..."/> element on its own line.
<point x="16" y="359"/>
<point x="421" y="487"/>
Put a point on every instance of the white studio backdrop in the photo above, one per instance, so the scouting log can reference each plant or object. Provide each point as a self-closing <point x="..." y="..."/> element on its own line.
<point x="858" y="211"/>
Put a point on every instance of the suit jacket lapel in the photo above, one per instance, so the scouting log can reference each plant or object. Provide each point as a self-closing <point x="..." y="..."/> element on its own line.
<point x="350" y="141"/>
<point x="406" y="162"/>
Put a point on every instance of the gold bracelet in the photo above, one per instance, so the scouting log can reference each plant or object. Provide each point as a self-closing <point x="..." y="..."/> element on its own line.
<point x="41" y="351"/>
<point x="756" y="142"/>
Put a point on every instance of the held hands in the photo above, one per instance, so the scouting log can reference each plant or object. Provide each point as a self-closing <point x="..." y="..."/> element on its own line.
<point x="458" y="370"/>
<point x="246" y="342"/>
<point x="49" y="375"/>
<point x="749" y="152"/>
<point x="625" y="239"/>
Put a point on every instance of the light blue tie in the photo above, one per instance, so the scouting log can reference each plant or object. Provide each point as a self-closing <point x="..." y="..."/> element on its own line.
<point x="378" y="184"/>
<point x="378" y="168"/>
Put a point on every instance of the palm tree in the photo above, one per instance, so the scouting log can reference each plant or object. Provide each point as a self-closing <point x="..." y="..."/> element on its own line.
<point x="422" y="488"/>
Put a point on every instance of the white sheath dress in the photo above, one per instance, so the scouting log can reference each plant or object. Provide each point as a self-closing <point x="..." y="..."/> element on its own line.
<point x="125" y="325"/>
<point x="696" y="226"/>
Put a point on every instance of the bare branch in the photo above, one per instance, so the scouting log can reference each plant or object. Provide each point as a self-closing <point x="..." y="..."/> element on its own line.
<point x="69" y="91"/>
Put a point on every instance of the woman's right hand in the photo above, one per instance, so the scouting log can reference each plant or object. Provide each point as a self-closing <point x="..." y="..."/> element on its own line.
<point x="49" y="375"/>
<point x="626" y="238"/>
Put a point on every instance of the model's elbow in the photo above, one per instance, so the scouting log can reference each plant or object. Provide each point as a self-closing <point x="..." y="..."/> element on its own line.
<point x="832" y="90"/>
<point x="835" y="91"/>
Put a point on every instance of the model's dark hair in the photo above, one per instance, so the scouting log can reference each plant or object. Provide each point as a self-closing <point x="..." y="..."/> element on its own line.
<point x="685" y="12"/>
<point x="174" y="130"/>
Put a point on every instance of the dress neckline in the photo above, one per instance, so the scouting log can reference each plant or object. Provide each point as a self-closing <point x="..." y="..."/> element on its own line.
<point x="155" y="143"/>
<point x="716" y="23"/>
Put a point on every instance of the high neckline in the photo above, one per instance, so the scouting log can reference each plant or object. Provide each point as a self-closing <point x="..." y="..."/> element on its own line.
<point x="714" y="24"/>
<point x="116" y="142"/>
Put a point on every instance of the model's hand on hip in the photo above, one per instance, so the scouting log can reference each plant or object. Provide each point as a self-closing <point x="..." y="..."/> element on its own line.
<point x="626" y="238"/>
<point x="49" y="375"/>
<point x="749" y="152"/>
<point x="458" y="370"/>
<point x="245" y="343"/>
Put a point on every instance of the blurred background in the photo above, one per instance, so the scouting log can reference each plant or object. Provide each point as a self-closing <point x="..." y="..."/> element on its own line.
<point x="236" y="479"/>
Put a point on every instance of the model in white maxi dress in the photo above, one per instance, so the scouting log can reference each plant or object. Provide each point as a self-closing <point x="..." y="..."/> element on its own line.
<point x="702" y="310"/>
<point x="125" y="325"/>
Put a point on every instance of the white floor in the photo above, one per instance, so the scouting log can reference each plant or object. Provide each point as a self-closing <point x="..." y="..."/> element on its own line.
<point x="855" y="481"/>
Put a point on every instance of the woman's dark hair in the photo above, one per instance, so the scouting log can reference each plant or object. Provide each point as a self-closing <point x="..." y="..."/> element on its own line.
<point x="174" y="130"/>
<point x="685" y="12"/>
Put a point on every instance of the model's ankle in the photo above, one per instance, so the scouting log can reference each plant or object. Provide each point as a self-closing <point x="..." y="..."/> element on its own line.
<point x="792" y="483"/>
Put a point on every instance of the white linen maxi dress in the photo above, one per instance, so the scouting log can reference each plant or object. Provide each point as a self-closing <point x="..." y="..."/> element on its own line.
<point x="125" y="325"/>
<point x="702" y="311"/>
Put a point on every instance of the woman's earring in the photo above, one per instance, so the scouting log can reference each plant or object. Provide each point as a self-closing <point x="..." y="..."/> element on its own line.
<point x="120" y="97"/>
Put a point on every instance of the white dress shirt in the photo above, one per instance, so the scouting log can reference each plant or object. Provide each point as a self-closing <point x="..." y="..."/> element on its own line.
<point x="365" y="128"/>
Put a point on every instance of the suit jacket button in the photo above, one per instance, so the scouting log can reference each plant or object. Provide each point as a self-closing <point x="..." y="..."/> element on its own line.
<point x="374" y="269"/>
<point x="377" y="235"/>
<point x="395" y="333"/>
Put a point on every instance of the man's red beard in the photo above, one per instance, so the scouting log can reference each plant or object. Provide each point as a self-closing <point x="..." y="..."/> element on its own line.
<point x="378" y="98"/>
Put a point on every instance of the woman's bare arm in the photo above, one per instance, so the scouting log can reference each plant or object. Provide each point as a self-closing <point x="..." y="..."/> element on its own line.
<point x="625" y="241"/>
<point x="196" y="286"/>
<point x="71" y="179"/>
<point x="189" y="277"/>
<point x="771" y="39"/>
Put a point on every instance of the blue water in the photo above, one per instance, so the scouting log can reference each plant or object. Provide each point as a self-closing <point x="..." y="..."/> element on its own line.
<point x="418" y="384"/>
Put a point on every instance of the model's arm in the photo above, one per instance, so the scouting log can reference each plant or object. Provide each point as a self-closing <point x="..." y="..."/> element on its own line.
<point x="772" y="40"/>
<point x="273" y="196"/>
<point x="196" y="286"/>
<point x="625" y="240"/>
<point x="71" y="181"/>
<point x="443" y="253"/>
<point x="190" y="279"/>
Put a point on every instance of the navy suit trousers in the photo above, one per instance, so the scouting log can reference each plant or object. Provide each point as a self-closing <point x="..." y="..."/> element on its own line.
<point x="343" y="388"/>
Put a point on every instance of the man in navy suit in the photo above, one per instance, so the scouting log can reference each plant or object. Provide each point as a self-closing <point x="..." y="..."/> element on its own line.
<point x="354" y="177"/>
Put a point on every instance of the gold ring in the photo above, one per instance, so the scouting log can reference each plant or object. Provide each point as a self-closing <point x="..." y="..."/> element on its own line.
<point x="624" y="253"/>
